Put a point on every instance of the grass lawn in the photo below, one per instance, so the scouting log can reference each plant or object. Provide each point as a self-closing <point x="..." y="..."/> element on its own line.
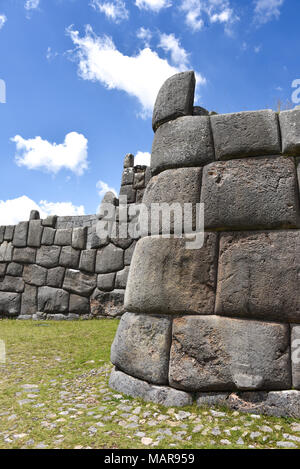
<point x="54" y="394"/>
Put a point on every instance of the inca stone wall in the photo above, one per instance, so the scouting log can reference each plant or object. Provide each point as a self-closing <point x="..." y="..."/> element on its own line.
<point x="58" y="268"/>
<point x="219" y="324"/>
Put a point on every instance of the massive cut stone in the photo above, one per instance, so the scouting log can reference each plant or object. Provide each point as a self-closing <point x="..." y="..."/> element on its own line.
<point x="3" y="270"/>
<point x="63" y="237"/>
<point x="184" y="142"/>
<point x="2" y="231"/>
<point x="79" y="305"/>
<point x="12" y="284"/>
<point x="79" y="236"/>
<point x="167" y="277"/>
<point x="295" y="346"/>
<point x="223" y="354"/>
<point x="35" y="275"/>
<point x="109" y="259"/>
<point x="259" y="274"/>
<point x="35" y="233"/>
<point x="254" y="133"/>
<point x="141" y="347"/>
<point x="87" y="260"/>
<point x="121" y="278"/>
<point x="48" y="236"/>
<point x="251" y="193"/>
<point x="29" y="300"/>
<point x="55" y="277"/>
<point x="53" y="300"/>
<point x="48" y="256"/>
<point x="175" y="98"/>
<point x="79" y="283"/>
<point x="10" y="303"/>
<point x="162" y="395"/>
<point x="106" y="282"/>
<point x="129" y="192"/>
<point x="127" y="176"/>
<point x="15" y="270"/>
<point x="9" y="232"/>
<point x="50" y="221"/>
<point x="69" y="257"/>
<point x="290" y="132"/>
<point x="20" y="234"/>
<point x="108" y="304"/>
<point x="129" y="253"/>
<point x="6" y="251"/>
<point x="24" y="255"/>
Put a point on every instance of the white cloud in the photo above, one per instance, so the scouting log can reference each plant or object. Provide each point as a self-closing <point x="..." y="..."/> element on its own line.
<point x="3" y="20"/>
<point x="103" y="188"/>
<point x="267" y="10"/>
<point x="153" y="5"/>
<point x="31" y="4"/>
<point x="50" y="55"/>
<point x="15" y="210"/>
<point x="140" y="75"/>
<point x="257" y="49"/>
<point x="114" y="10"/>
<point x="169" y="43"/>
<point x="145" y="35"/>
<point x="36" y="153"/>
<point x="215" y="11"/>
<point x="142" y="158"/>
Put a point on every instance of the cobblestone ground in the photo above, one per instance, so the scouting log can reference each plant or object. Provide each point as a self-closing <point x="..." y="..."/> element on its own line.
<point x="54" y="394"/>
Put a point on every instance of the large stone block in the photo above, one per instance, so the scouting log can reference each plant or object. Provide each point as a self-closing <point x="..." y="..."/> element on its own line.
<point x="48" y="256"/>
<point x="14" y="269"/>
<point x="29" y="300"/>
<point x="258" y="275"/>
<point x="35" y="233"/>
<point x="2" y="231"/>
<point x="63" y="237"/>
<point x="251" y="193"/>
<point x="20" y="234"/>
<point x="184" y="142"/>
<point x="295" y="346"/>
<point x="24" y="255"/>
<point x="167" y="278"/>
<point x="35" y="275"/>
<point x="12" y="284"/>
<point x="290" y="132"/>
<point x="79" y="304"/>
<point x="106" y="282"/>
<point x="48" y="236"/>
<point x="173" y="186"/>
<point x="175" y="98"/>
<point x="10" y="303"/>
<point x="224" y="354"/>
<point x="108" y="304"/>
<point x="2" y="270"/>
<point x="129" y="253"/>
<point x="127" y="176"/>
<point x="109" y="259"/>
<point x="69" y="257"/>
<point x="250" y="133"/>
<point x="6" y="252"/>
<point x="50" y="221"/>
<point x="79" y="236"/>
<point x="79" y="283"/>
<point x="53" y="300"/>
<point x="141" y="347"/>
<point x="55" y="277"/>
<point x="121" y="278"/>
<point x="129" y="192"/>
<point x="88" y="260"/>
<point x="9" y="232"/>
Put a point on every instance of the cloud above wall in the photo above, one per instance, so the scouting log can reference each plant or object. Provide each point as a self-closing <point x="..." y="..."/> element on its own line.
<point x="15" y="210"/>
<point x="3" y="20"/>
<point x="103" y="187"/>
<point x="153" y="5"/>
<point x="267" y="10"/>
<point x="199" y="12"/>
<point x="114" y="10"/>
<point x="39" y="154"/>
<point x="142" y="158"/>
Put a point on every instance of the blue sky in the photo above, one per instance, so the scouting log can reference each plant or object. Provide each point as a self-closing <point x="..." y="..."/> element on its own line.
<point x="81" y="77"/>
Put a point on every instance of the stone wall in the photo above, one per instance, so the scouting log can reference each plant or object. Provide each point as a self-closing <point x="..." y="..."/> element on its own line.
<point x="58" y="268"/>
<point x="219" y="324"/>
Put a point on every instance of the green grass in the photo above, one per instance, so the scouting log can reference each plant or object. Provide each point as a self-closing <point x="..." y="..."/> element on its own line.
<point x="69" y="362"/>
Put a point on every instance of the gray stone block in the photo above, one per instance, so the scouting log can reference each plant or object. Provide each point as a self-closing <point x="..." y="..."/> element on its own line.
<point x="258" y="275"/>
<point x="24" y="255"/>
<point x="3" y="270"/>
<point x="127" y="177"/>
<point x="79" y="304"/>
<point x="50" y="221"/>
<point x="15" y="270"/>
<point x="55" y="277"/>
<point x="79" y="237"/>
<point x="223" y="354"/>
<point x="106" y="282"/>
<point x="290" y="132"/>
<point x="52" y="300"/>
<point x="129" y="192"/>
<point x="34" y="215"/>
<point x="108" y="304"/>
<point x="141" y="347"/>
<point x="129" y="253"/>
<point x="35" y="275"/>
<point x="95" y="242"/>
<point x="2" y="231"/>
<point x="162" y="395"/>
<point x="6" y="252"/>
<point x="69" y="257"/>
<point x="295" y="349"/>
<point x="121" y="278"/>
<point x="20" y="234"/>
<point x="167" y="278"/>
<point x="120" y="236"/>
<point x="48" y="256"/>
<point x="48" y="236"/>
<point x="9" y="232"/>
<point x="185" y="142"/>
<point x="88" y="260"/>
<point x="242" y="134"/>
<point x="29" y="301"/>
<point x="109" y="259"/>
<point x="139" y="180"/>
<point x="12" y="284"/>
<point x="251" y="193"/>
<point x="79" y="283"/>
<point x="35" y="233"/>
<point x="129" y="160"/>
<point x="175" y="98"/>
<point x="10" y="303"/>
<point x="63" y="237"/>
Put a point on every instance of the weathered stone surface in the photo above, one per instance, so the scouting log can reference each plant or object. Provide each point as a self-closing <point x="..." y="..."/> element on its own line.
<point x="35" y="275"/>
<point x="290" y="132"/>
<point x="88" y="260"/>
<point x="15" y="270"/>
<point x="3" y="270"/>
<point x="69" y="257"/>
<point x="12" y="284"/>
<point x="109" y="259"/>
<point x="141" y="347"/>
<point x="50" y="221"/>
<point x="127" y="177"/>
<point x="258" y="275"/>
<point x="200" y="111"/>
<point x="48" y="236"/>
<point x="120" y="236"/>
<point x="6" y="252"/>
<point x="2" y="231"/>
<point x="29" y="300"/>
<point x="251" y="193"/>
<point x="121" y="278"/>
<point x="35" y="233"/>
<point x="10" y="303"/>
<point x="295" y="346"/>
<point x="175" y="98"/>
<point x="53" y="300"/>
<point x="129" y="253"/>
<point x="129" y="192"/>
<point x="166" y="277"/>
<point x="9" y="232"/>
<point x="96" y="242"/>
<point x="20" y="234"/>
<point x="63" y="237"/>
<point x="79" y="236"/>
<point x="129" y="160"/>
<point x="207" y="399"/>
<point x="108" y="304"/>
<point x="162" y="395"/>
<point x="139" y="180"/>
<point x="173" y="186"/>
<point x="79" y="304"/>
<point x="242" y="134"/>
<point x="79" y="282"/>
<point x="24" y="255"/>
<point x="185" y="142"/>
<point x="106" y="282"/>
<point x="55" y="277"/>
<point x="223" y="354"/>
<point x="34" y="215"/>
<point x="48" y="256"/>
